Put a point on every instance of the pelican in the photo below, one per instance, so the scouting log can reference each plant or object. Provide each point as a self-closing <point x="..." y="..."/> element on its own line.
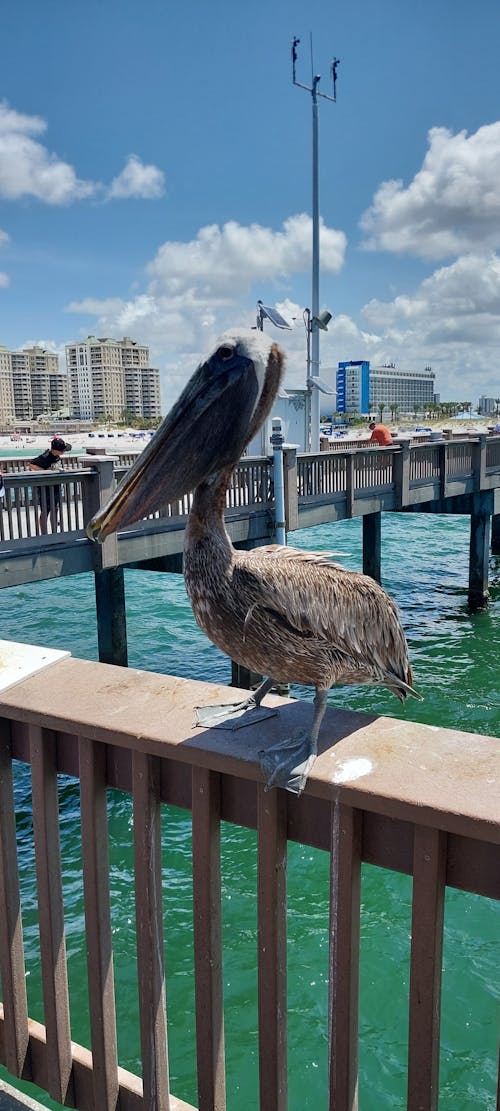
<point x="290" y="615"/>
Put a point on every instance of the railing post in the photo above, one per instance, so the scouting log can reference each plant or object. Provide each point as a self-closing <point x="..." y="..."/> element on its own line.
<point x="401" y="475"/>
<point x="443" y="469"/>
<point x="291" y="492"/>
<point x="479" y="462"/>
<point x="95" y="494"/>
<point x="12" y="969"/>
<point x="345" y="895"/>
<point x="349" y="484"/>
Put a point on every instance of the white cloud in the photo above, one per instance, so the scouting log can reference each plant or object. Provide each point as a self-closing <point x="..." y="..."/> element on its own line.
<point x="451" y="322"/>
<point x="222" y="261"/>
<point x="199" y="288"/>
<point x="29" y="169"/>
<point x="4" y="280"/>
<point x="47" y="345"/>
<point x="138" y="180"/>
<point x="4" y="237"/>
<point x="452" y="205"/>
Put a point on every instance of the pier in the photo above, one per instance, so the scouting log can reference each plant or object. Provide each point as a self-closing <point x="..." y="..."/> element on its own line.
<point x="460" y="476"/>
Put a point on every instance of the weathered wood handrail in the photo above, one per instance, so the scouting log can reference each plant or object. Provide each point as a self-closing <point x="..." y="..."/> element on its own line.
<point x="400" y="795"/>
<point x="462" y="477"/>
<point x="418" y="472"/>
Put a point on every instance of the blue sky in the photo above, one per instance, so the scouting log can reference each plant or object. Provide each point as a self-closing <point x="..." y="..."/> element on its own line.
<point x="155" y="179"/>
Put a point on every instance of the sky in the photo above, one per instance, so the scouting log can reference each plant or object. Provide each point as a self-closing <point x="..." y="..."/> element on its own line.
<point x="156" y="179"/>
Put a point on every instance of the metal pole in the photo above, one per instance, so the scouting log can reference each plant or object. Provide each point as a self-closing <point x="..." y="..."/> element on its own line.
<point x="315" y="400"/>
<point x="277" y="440"/>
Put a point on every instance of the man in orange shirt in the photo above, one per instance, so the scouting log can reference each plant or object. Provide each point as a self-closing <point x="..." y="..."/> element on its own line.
<point x="381" y="434"/>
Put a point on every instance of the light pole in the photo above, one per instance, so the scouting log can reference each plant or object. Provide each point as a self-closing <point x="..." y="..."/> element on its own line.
<point x="313" y="332"/>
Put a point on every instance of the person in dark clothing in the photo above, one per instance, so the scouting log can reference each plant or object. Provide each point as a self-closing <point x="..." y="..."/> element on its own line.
<point x="49" y="497"/>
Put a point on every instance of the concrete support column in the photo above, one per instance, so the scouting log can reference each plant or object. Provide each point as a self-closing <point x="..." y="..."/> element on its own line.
<point x="479" y="552"/>
<point x="495" y="534"/>
<point x="111" y="616"/>
<point x="372" y="536"/>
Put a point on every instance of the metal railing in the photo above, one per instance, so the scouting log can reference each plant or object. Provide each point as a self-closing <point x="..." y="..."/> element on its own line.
<point x="421" y="805"/>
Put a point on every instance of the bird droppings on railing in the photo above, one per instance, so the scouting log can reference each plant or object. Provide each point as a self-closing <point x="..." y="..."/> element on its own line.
<point x="350" y="770"/>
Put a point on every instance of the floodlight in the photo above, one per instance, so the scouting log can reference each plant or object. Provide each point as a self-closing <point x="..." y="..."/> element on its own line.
<point x="322" y="320"/>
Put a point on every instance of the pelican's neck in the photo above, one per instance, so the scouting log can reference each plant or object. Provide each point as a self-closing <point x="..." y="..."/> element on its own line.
<point x="206" y="519"/>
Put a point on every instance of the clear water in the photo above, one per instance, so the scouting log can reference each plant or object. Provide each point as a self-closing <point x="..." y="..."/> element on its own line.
<point x="455" y="657"/>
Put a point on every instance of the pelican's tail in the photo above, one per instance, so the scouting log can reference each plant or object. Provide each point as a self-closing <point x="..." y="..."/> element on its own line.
<point x="401" y="689"/>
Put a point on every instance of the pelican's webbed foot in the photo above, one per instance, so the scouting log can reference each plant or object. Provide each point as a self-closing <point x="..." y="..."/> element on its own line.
<point x="236" y="715"/>
<point x="288" y="764"/>
<point x="232" y="715"/>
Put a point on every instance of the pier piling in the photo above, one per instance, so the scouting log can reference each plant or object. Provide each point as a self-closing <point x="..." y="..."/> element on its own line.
<point x="111" y="616"/>
<point x="479" y="552"/>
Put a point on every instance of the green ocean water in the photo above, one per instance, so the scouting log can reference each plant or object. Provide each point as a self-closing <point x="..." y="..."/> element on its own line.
<point x="455" y="656"/>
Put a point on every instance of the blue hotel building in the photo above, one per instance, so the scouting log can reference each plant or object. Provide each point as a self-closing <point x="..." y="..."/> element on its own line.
<point x="353" y="387"/>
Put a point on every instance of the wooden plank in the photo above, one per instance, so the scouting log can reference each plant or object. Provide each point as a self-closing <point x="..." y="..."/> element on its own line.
<point x="208" y="940"/>
<point x="429" y="872"/>
<point x="344" y="956"/>
<point x="51" y="912"/>
<point x="150" y="941"/>
<point x="15" y="1040"/>
<point x="271" y="904"/>
<point x="98" y="922"/>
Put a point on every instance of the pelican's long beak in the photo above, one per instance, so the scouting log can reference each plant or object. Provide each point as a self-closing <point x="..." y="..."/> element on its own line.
<point x="205" y="431"/>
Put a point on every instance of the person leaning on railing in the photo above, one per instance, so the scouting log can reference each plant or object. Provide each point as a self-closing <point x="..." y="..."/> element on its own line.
<point x="381" y="434"/>
<point x="49" y="460"/>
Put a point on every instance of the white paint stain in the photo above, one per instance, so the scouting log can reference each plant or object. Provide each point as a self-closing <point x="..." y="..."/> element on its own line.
<point x="352" y="769"/>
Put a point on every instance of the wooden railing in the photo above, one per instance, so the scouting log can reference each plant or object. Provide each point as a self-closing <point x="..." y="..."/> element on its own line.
<point x="418" y="801"/>
<point x="312" y="479"/>
<point x="72" y="495"/>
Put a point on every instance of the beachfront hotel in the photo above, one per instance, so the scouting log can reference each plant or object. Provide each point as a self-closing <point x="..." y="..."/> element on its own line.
<point x="108" y="377"/>
<point x="362" y="388"/>
<point x="30" y="384"/>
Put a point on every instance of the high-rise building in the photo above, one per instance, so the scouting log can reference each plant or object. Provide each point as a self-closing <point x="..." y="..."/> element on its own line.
<point x="487" y="405"/>
<point x="30" y="384"/>
<point x="362" y="388"/>
<point x="109" y="377"/>
<point x="7" y="409"/>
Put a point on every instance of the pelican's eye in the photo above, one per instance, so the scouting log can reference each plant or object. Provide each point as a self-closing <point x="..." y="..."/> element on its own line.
<point x="225" y="352"/>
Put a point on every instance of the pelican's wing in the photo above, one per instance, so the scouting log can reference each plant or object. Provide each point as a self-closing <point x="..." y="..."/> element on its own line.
<point x="345" y="610"/>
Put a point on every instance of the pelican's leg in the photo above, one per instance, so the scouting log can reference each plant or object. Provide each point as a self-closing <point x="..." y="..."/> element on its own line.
<point x="289" y="763"/>
<point x="235" y="715"/>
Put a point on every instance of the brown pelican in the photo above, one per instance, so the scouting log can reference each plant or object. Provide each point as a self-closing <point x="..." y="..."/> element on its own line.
<point x="293" y="616"/>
